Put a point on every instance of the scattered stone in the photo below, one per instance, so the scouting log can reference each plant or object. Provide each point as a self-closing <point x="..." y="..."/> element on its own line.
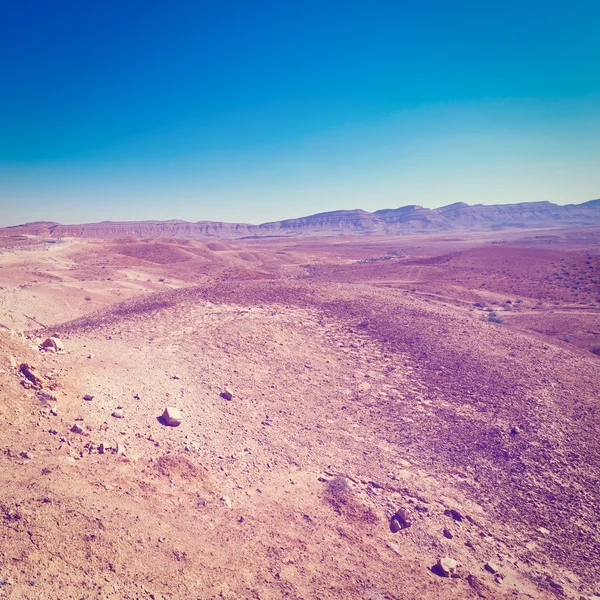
<point x="491" y="567"/>
<point x="227" y="394"/>
<point x="76" y="429"/>
<point x="88" y="397"/>
<point x="403" y="517"/>
<point x="45" y="396"/>
<point x="118" y="414"/>
<point x="53" y="344"/>
<point x="447" y="566"/>
<point x="448" y="534"/>
<point x="172" y="416"/>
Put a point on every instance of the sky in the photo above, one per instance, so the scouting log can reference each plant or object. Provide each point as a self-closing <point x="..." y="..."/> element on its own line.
<point x="264" y="110"/>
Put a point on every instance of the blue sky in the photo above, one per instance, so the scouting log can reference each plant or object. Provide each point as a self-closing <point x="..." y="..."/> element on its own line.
<point x="253" y="111"/>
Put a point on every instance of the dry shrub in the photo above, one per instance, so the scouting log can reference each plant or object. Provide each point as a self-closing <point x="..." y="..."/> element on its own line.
<point x="340" y="495"/>
<point x="171" y="465"/>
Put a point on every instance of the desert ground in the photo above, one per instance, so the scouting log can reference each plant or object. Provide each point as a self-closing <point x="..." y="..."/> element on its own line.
<point x="325" y="385"/>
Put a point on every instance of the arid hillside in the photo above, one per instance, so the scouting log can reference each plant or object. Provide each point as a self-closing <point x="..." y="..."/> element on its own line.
<point x="409" y="417"/>
<point x="403" y="220"/>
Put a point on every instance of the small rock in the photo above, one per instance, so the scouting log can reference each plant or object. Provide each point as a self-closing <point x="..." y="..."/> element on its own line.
<point x="76" y="429"/>
<point x="515" y="430"/>
<point x="118" y="414"/>
<point x="88" y="397"/>
<point x="227" y="394"/>
<point x="172" y="416"/>
<point x="53" y="411"/>
<point x="448" y="534"/>
<point x="103" y="448"/>
<point x="27" y="455"/>
<point x="491" y="567"/>
<point x="227" y="501"/>
<point x="175" y="376"/>
<point x="90" y="356"/>
<point x="447" y="566"/>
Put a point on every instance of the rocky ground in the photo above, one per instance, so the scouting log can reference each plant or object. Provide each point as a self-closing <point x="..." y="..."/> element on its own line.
<point x="382" y="439"/>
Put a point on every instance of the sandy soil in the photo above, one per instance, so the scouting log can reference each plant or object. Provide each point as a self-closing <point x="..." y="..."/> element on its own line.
<point x="449" y="377"/>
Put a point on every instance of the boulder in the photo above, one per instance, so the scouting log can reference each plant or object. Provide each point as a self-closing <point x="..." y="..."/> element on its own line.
<point x="395" y="525"/>
<point x="447" y="566"/>
<point x="53" y="344"/>
<point x="491" y="567"/>
<point x="403" y="517"/>
<point x="172" y="416"/>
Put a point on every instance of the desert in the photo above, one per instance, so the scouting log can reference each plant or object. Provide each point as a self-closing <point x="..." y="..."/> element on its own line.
<point x="381" y="416"/>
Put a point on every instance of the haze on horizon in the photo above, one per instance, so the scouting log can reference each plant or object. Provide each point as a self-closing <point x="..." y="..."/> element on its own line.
<point x="266" y="111"/>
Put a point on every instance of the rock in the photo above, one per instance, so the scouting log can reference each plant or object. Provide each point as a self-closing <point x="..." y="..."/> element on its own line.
<point x="27" y="372"/>
<point x="88" y="397"/>
<point x="76" y="429"/>
<point x="172" y="416"/>
<point x="403" y="517"/>
<point x="447" y="566"/>
<point x="491" y="567"/>
<point x="454" y="513"/>
<point x="395" y="525"/>
<point x="448" y="534"/>
<point x="118" y="414"/>
<point x="227" y="394"/>
<point x="53" y="344"/>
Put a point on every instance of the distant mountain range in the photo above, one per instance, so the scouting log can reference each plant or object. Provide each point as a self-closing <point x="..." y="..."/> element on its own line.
<point x="406" y="219"/>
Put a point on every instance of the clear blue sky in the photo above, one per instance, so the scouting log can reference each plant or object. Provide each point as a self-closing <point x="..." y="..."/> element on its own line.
<point x="253" y="111"/>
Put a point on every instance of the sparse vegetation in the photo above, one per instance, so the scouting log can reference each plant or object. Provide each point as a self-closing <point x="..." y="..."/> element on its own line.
<point x="494" y="318"/>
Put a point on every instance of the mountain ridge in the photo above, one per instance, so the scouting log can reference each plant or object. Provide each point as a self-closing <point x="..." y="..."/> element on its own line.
<point x="404" y="219"/>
